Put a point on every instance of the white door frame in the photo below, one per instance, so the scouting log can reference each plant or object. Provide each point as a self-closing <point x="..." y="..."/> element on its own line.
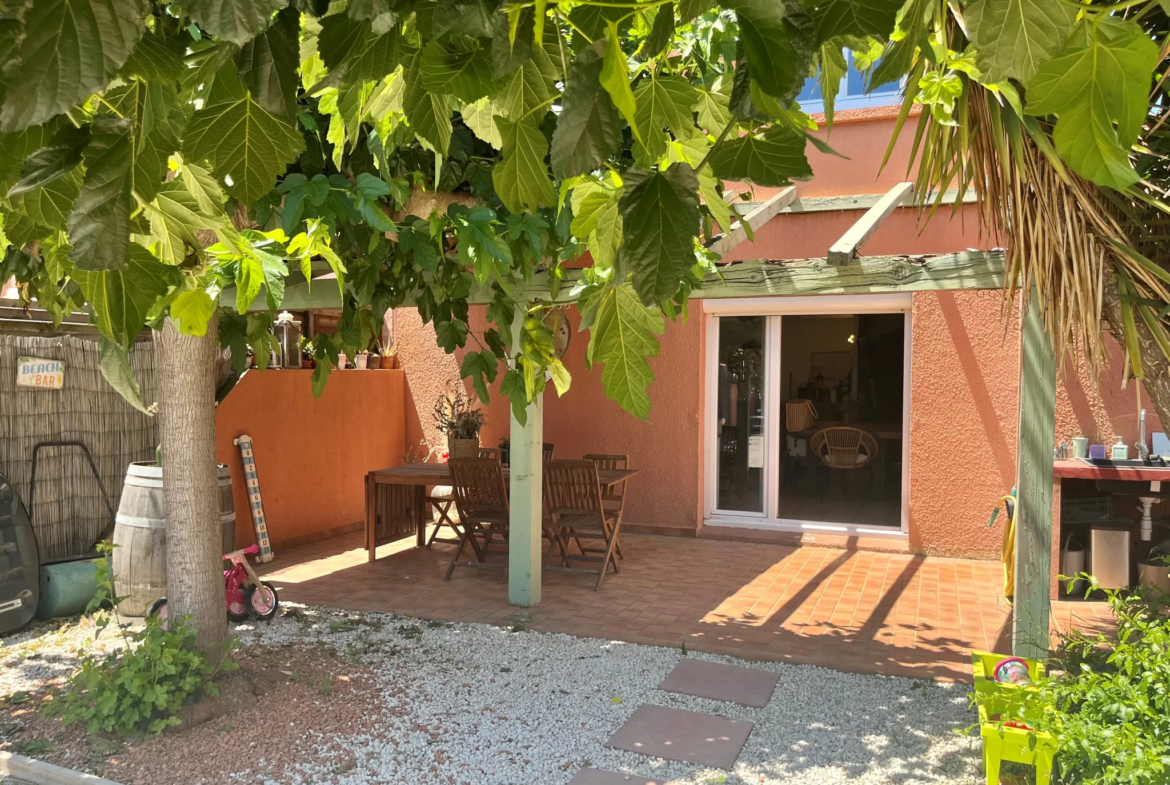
<point x="774" y="308"/>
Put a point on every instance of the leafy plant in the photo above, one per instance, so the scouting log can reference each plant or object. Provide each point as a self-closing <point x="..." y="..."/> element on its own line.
<point x="139" y="687"/>
<point x="455" y="416"/>
<point x="1106" y="700"/>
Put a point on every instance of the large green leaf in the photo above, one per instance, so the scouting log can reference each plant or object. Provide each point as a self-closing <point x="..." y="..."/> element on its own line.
<point x="49" y="205"/>
<point x="532" y="86"/>
<point x="428" y="113"/>
<point x="114" y="363"/>
<point x="664" y="101"/>
<point x="833" y="67"/>
<point x="779" y="42"/>
<point x="1013" y="37"/>
<point x="157" y="58"/>
<point x="460" y="68"/>
<point x="151" y="107"/>
<point x="57" y="158"/>
<point x="587" y="131"/>
<point x="714" y="106"/>
<point x="242" y="142"/>
<point x="237" y="21"/>
<point x="192" y="310"/>
<point x="660" y="215"/>
<point x="99" y="225"/>
<point x="615" y="78"/>
<point x="121" y="299"/>
<point x="267" y="65"/>
<point x="774" y="159"/>
<point x="1098" y="87"/>
<point x="480" y="117"/>
<point x="622" y="339"/>
<point x="855" y="17"/>
<point x="175" y="215"/>
<point x="521" y="177"/>
<point x="71" y="48"/>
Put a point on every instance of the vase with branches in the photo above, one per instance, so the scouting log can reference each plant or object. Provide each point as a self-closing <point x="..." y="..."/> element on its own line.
<point x="460" y="421"/>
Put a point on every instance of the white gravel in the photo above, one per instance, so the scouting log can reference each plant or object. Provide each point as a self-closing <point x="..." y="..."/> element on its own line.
<point x="485" y="705"/>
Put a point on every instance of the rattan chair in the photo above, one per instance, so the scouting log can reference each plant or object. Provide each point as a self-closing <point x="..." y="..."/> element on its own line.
<point x="482" y="501"/>
<point x="572" y="501"/>
<point x="613" y="497"/>
<point x="845" y="448"/>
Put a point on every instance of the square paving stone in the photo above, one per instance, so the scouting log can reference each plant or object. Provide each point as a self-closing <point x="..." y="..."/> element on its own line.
<point x="687" y="736"/>
<point x="745" y="686"/>
<point x="599" y="777"/>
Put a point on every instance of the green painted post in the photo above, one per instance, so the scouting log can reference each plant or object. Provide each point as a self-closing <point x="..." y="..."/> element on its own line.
<point x="1037" y="435"/>
<point x="526" y="458"/>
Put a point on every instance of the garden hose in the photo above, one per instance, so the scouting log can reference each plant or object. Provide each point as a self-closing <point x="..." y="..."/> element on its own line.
<point x="1009" y="543"/>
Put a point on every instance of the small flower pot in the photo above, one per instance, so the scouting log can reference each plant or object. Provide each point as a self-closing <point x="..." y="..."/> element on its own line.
<point x="463" y="448"/>
<point x="374" y="362"/>
<point x="341" y="361"/>
<point x="359" y="362"/>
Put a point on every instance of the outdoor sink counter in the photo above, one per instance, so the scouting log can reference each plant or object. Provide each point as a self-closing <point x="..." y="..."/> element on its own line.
<point x="1074" y="468"/>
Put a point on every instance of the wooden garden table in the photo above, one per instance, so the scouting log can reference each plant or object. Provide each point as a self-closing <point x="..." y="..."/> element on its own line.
<point x="396" y="500"/>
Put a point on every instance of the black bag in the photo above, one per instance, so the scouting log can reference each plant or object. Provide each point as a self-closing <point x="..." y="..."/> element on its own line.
<point x="20" y="566"/>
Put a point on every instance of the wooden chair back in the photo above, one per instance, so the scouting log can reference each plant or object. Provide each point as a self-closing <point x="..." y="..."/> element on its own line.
<point x="478" y="487"/>
<point x="571" y="488"/>
<point x="547" y="452"/>
<point x="489" y="452"/>
<point x="839" y="446"/>
<point x="613" y="493"/>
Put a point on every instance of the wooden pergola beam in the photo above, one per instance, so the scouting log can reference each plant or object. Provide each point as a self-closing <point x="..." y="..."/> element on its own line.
<point x="722" y="243"/>
<point x="850" y="243"/>
<point x="755" y="278"/>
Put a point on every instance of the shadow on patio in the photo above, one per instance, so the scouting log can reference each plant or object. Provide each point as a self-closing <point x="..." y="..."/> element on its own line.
<point x="856" y="611"/>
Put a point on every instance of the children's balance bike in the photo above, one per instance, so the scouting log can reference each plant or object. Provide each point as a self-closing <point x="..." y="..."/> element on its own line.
<point x="247" y="595"/>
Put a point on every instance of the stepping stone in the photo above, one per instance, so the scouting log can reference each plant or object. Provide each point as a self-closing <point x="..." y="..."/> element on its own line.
<point x="745" y="686"/>
<point x="599" y="777"/>
<point x="686" y="736"/>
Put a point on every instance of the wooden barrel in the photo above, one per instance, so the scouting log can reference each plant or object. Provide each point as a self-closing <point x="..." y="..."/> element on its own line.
<point x="140" y="535"/>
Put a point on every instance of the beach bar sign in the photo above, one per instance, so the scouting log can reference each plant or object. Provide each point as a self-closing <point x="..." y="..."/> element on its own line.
<point x="35" y="372"/>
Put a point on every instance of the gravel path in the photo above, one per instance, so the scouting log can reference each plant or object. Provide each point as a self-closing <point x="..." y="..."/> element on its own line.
<point x="482" y="705"/>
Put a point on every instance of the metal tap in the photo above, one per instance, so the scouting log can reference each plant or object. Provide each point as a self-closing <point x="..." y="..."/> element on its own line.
<point x="1142" y="448"/>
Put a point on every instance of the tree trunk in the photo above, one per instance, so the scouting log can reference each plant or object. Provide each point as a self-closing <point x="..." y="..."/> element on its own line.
<point x="186" y="392"/>
<point x="1156" y="368"/>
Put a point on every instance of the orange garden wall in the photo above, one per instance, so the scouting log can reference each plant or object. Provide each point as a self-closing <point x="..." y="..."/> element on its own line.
<point x="311" y="455"/>
<point x="964" y="374"/>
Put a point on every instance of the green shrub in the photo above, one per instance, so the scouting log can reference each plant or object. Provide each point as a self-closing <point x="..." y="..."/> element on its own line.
<point x="1106" y="700"/>
<point x="140" y="687"/>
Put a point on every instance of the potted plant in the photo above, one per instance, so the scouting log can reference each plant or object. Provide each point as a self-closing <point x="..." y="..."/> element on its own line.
<point x="505" y="449"/>
<point x="460" y="422"/>
<point x="359" y="361"/>
<point x="1154" y="569"/>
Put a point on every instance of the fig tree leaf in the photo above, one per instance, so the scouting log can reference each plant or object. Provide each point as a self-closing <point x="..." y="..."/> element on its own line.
<point x="622" y="339"/>
<point x="521" y="177"/>
<point x="114" y="363"/>
<point x="70" y="49"/>
<point x="157" y="58"/>
<point x="587" y="131"/>
<point x="1098" y="87"/>
<point x="58" y="157"/>
<point x="480" y="117"/>
<point x="267" y="65"/>
<point x="660" y="216"/>
<point x="460" y="68"/>
<point x="615" y="78"/>
<point x="428" y="112"/>
<point x="49" y="204"/>
<point x="776" y="158"/>
<point x="246" y="146"/>
<point x="237" y="21"/>
<point x="121" y="299"/>
<point x="664" y="101"/>
<point x="779" y="47"/>
<point x="833" y="66"/>
<point x="530" y="87"/>
<point x="714" y="106"/>
<point x="855" y="17"/>
<point x="191" y="311"/>
<point x="99" y="224"/>
<point x="1013" y="37"/>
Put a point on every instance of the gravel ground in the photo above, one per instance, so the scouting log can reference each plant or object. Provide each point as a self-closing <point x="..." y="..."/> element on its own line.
<point x="431" y="702"/>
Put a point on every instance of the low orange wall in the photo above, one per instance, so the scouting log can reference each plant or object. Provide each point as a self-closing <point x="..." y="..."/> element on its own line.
<point x="311" y="455"/>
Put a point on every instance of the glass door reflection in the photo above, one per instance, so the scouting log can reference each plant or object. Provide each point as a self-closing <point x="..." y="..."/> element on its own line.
<point x="741" y="413"/>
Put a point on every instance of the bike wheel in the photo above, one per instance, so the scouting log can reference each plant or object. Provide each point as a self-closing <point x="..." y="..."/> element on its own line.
<point x="237" y="608"/>
<point x="158" y="608"/>
<point x="263" y="601"/>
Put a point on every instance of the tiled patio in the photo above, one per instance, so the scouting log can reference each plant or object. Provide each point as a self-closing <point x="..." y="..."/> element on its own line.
<point x="850" y="610"/>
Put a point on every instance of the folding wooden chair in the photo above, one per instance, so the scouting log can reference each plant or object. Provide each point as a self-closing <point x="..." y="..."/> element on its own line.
<point x="547" y="451"/>
<point x="613" y="497"/>
<point x="441" y="500"/>
<point x="572" y="499"/>
<point x="489" y="452"/>
<point x="482" y="501"/>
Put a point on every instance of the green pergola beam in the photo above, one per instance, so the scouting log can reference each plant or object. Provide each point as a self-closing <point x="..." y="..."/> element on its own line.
<point x="756" y="278"/>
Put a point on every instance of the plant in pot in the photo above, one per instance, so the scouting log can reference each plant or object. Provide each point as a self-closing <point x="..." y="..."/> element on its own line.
<point x="360" y="360"/>
<point x="456" y="418"/>
<point x="505" y="450"/>
<point x="1154" y="569"/>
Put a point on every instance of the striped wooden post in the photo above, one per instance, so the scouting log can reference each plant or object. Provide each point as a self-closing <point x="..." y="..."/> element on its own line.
<point x="525" y="476"/>
<point x="255" y="504"/>
<point x="1030" y="613"/>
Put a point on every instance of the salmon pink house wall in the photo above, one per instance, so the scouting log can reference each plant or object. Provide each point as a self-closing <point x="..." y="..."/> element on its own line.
<point x="312" y="455"/>
<point x="963" y="362"/>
